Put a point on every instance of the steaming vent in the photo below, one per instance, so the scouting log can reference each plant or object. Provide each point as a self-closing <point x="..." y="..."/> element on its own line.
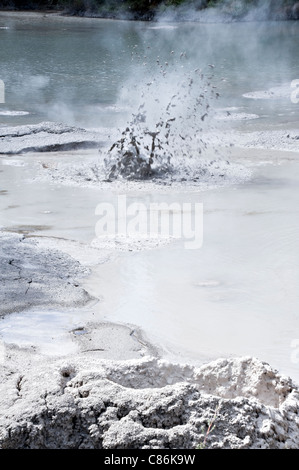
<point x="167" y="137"/>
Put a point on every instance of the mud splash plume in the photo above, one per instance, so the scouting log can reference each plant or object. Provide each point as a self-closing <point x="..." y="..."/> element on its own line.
<point x="167" y="131"/>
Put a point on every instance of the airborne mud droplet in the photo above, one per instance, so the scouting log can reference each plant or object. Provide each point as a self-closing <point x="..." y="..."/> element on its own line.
<point x="167" y="131"/>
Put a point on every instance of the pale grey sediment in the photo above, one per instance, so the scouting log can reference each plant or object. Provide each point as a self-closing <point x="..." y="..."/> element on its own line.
<point x="107" y="395"/>
<point x="33" y="276"/>
<point x="116" y="392"/>
<point x="85" y="402"/>
<point x="46" y="137"/>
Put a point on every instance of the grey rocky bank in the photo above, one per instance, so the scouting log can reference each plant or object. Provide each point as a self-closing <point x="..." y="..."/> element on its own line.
<point x="89" y="403"/>
<point x="45" y="137"/>
<point x="32" y="276"/>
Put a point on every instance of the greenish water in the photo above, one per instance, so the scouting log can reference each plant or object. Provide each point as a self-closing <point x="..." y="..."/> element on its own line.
<point x="74" y="70"/>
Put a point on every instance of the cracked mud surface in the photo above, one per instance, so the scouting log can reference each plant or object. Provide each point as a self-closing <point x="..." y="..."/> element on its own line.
<point x="32" y="276"/>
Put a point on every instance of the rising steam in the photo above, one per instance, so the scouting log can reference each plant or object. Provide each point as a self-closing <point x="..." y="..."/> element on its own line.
<point x="167" y="130"/>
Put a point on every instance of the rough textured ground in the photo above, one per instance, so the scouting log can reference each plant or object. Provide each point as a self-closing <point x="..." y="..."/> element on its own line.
<point x="31" y="276"/>
<point x="85" y="402"/>
<point x="115" y="392"/>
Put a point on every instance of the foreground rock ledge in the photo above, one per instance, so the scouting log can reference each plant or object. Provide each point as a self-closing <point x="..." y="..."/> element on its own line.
<point x="147" y="403"/>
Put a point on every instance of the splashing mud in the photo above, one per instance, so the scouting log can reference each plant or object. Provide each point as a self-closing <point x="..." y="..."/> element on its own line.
<point x="166" y="134"/>
<point x="171" y="134"/>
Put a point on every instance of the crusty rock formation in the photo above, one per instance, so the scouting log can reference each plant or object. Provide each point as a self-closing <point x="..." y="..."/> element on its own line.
<point x="85" y="402"/>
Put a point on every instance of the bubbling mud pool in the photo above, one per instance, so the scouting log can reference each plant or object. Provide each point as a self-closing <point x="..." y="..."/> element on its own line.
<point x="236" y="295"/>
